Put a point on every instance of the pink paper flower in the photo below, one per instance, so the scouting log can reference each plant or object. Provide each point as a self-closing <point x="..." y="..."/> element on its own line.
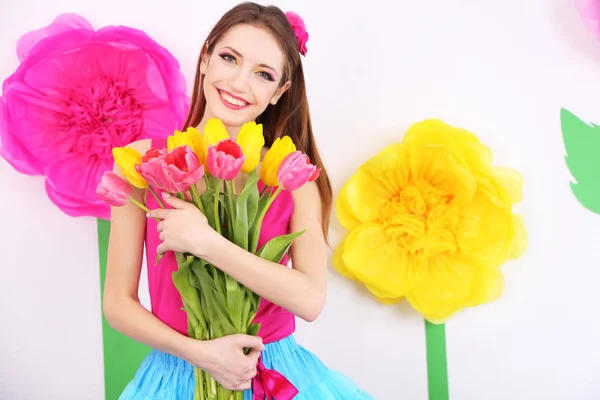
<point x="299" y="28"/>
<point x="78" y="93"/>
<point x="174" y="172"/>
<point x="589" y="11"/>
<point x="296" y="171"/>
<point x="225" y="160"/>
<point x="113" y="189"/>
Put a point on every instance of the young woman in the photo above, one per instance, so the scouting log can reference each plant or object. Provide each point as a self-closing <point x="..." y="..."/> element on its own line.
<point x="249" y="69"/>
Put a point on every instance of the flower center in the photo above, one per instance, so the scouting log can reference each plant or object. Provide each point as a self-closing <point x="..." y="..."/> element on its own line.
<point x="103" y="114"/>
<point x="421" y="220"/>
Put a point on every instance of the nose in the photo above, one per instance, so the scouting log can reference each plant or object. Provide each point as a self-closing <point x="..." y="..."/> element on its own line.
<point x="240" y="81"/>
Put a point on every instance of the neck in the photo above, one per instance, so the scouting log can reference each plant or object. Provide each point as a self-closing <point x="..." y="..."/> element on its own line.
<point x="233" y="130"/>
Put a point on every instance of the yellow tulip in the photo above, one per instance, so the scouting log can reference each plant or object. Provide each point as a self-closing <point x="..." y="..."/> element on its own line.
<point x="251" y="140"/>
<point x="430" y="220"/>
<point x="127" y="158"/>
<point x="280" y="149"/>
<point x="214" y="132"/>
<point x="190" y="137"/>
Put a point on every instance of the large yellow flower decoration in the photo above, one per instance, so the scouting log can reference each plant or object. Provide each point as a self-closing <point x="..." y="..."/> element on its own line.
<point x="431" y="221"/>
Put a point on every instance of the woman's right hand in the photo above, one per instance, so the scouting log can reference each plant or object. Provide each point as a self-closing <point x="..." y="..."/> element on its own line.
<point x="225" y="361"/>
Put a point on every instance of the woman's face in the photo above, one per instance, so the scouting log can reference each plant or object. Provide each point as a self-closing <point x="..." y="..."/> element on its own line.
<point x="242" y="75"/>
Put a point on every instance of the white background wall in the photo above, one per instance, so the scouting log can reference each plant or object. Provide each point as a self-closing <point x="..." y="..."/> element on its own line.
<point x="502" y="69"/>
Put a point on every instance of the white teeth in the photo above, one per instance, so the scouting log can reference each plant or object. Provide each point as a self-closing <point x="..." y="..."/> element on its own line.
<point x="233" y="101"/>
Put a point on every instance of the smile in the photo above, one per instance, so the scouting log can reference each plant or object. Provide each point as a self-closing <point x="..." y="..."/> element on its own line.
<point x="232" y="101"/>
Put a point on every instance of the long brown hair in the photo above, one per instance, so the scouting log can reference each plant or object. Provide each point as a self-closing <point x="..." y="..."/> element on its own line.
<point x="290" y="116"/>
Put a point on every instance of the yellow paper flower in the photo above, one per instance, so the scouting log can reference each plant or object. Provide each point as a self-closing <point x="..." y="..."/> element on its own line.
<point x="214" y="132"/>
<point x="280" y="149"/>
<point x="127" y="158"/>
<point x="431" y="221"/>
<point x="190" y="137"/>
<point x="251" y="140"/>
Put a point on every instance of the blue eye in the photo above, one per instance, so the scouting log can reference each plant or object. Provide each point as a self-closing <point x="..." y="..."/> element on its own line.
<point x="267" y="76"/>
<point x="228" y="57"/>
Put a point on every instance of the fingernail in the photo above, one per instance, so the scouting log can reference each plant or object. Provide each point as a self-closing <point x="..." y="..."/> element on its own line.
<point x="147" y="215"/>
<point x="165" y="194"/>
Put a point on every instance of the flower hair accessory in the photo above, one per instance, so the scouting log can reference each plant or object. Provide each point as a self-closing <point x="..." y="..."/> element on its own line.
<point x="299" y="28"/>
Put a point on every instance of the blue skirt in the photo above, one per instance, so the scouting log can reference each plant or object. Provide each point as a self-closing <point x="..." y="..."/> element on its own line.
<point x="166" y="377"/>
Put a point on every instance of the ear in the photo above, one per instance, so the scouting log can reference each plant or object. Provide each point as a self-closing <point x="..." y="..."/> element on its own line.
<point x="204" y="64"/>
<point x="280" y="91"/>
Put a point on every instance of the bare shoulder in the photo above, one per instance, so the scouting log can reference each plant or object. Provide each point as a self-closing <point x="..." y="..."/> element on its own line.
<point x="307" y="202"/>
<point x="141" y="146"/>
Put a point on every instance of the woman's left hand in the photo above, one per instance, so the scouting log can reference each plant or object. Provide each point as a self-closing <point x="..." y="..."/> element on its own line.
<point x="183" y="228"/>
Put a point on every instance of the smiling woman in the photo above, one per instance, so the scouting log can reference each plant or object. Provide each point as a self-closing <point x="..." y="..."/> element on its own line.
<point x="249" y="69"/>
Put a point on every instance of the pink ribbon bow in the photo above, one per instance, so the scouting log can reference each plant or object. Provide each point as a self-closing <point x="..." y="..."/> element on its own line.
<point x="272" y="385"/>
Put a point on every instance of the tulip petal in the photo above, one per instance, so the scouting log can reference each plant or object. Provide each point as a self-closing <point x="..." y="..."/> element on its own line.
<point x="127" y="158"/>
<point x="252" y="141"/>
<point x="214" y="132"/>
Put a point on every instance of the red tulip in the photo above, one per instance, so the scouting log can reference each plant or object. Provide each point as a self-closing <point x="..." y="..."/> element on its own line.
<point x="174" y="172"/>
<point x="296" y="171"/>
<point x="225" y="160"/>
<point x="113" y="189"/>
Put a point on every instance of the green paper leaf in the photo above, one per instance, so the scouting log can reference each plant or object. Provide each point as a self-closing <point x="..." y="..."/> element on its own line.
<point x="582" y="144"/>
<point x="275" y="249"/>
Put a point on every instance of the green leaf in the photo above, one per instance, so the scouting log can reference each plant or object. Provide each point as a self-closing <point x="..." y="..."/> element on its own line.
<point x="275" y="249"/>
<point x="253" y="329"/>
<point x="189" y="294"/>
<point x="582" y="144"/>
<point x="261" y="211"/>
<point x="246" y="210"/>
<point x="217" y="317"/>
<point x="208" y="201"/>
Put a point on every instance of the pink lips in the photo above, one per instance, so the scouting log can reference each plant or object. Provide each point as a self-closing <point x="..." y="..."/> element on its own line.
<point x="229" y="105"/>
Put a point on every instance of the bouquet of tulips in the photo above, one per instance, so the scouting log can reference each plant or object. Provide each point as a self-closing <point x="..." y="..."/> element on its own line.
<point x="215" y="303"/>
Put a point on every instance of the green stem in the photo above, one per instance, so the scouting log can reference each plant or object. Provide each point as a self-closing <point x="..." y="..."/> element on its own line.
<point x="262" y="192"/>
<point x="231" y="205"/>
<point x="143" y="207"/>
<point x="156" y="196"/>
<point x="197" y="199"/>
<point x="140" y="205"/>
<point x="262" y="215"/>
<point x="216" y="208"/>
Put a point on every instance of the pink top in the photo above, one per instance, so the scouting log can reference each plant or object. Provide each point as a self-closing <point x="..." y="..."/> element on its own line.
<point x="275" y="322"/>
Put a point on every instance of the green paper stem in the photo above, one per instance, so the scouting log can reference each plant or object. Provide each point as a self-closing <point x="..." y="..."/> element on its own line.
<point x="122" y="355"/>
<point x="437" y="365"/>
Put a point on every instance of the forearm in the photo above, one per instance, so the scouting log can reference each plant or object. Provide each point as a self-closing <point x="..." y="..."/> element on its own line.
<point x="129" y="317"/>
<point x="286" y="287"/>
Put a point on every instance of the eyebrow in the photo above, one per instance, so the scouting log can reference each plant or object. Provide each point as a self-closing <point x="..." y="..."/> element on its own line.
<point x="237" y="53"/>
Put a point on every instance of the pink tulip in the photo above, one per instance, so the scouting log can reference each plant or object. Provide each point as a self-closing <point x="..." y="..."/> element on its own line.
<point x="296" y="171"/>
<point x="113" y="189"/>
<point x="225" y="160"/>
<point x="174" y="172"/>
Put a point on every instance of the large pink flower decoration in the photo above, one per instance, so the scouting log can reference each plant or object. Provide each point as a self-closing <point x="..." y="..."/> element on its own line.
<point x="589" y="11"/>
<point x="299" y="28"/>
<point x="78" y="93"/>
